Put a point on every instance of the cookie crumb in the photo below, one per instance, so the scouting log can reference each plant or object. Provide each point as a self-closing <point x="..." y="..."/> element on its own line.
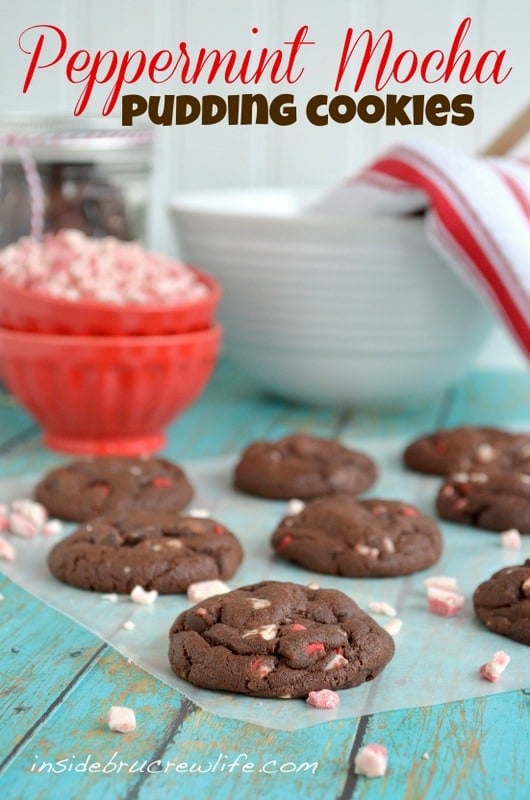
<point x="444" y="603"/>
<point x="371" y="761"/>
<point x="394" y="626"/>
<point x="325" y="698"/>
<point x="128" y="625"/>
<point x="495" y="667"/>
<point x="201" y="590"/>
<point x="121" y="719"/>
<point x="382" y="608"/>
<point x="7" y="551"/>
<point x="143" y="598"/>
<point x="314" y="586"/>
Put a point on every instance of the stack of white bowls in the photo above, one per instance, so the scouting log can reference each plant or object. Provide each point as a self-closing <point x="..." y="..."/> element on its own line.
<point x="331" y="309"/>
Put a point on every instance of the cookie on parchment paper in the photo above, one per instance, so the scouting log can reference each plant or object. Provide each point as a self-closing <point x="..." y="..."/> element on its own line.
<point x="303" y="466"/>
<point x="151" y="549"/>
<point x="468" y="448"/>
<point x="278" y="639"/>
<point x="502" y="603"/>
<point x="90" y="487"/>
<point x="341" y="535"/>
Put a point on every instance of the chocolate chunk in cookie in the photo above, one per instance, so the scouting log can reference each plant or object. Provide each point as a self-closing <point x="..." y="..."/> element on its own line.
<point x="502" y="603"/>
<point x="495" y="501"/>
<point x="303" y="466"/>
<point x="468" y="448"/>
<point x="359" y="538"/>
<point x="277" y="639"/>
<point x="152" y="549"/>
<point x="87" y="488"/>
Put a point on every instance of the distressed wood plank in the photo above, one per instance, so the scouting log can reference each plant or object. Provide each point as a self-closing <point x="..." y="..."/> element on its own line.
<point x="15" y="424"/>
<point x="193" y="748"/>
<point x="477" y="750"/>
<point x="493" y="397"/>
<point x="36" y="642"/>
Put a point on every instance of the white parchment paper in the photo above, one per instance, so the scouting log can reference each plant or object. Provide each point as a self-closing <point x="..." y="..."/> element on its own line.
<point x="436" y="660"/>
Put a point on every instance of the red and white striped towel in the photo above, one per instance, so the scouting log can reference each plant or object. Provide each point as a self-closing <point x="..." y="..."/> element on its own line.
<point x="478" y="217"/>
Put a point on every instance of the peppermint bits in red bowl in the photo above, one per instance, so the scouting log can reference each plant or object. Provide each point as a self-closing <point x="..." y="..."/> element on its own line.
<point x="103" y="341"/>
<point x="73" y="284"/>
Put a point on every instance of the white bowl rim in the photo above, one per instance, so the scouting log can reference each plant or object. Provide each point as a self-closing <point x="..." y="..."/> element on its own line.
<point x="236" y="203"/>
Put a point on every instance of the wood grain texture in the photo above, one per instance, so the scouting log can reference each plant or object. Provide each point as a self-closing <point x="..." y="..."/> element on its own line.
<point x="57" y="688"/>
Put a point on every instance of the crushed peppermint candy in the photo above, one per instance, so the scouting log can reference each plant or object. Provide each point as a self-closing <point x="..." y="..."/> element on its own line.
<point x="201" y="590"/>
<point x="143" y="598"/>
<point x="485" y="453"/>
<point x="371" y="761"/>
<point x="53" y="527"/>
<point x="394" y="626"/>
<point x="199" y="513"/>
<point x="21" y="526"/>
<point x="259" y="602"/>
<point x="511" y="539"/>
<point x="382" y="608"/>
<point x="444" y="603"/>
<point x="121" y="719"/>
<point x="128" y="625"/>
<point x="27" y="518"/>
<point x="30" y="510"/>
<point x="112" y="597"/>
<point x="495" y="667"/>
<point x="441" y="582"/>
<point x="75" y="267"/>
<point x="7" y="551"/>
<point x="325" y="698"/>
<point x="267" y="632"/>
<point x="295" y="506"/>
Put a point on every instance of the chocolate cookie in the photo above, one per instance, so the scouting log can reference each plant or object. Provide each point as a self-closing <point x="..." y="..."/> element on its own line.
<point x="83" y="489"/>
<point x="502" y="603"/>
<point x="152" y="549"/>
<point x="277" y="639"/>
<point x="359" y="538"/>
<point x="495" y="501"/>
<point x="303" y="466"/>
<point x="468" y="448"/>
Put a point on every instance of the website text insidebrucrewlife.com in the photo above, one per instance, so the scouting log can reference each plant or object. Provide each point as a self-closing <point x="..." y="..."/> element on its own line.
<point x="223" y="762"/>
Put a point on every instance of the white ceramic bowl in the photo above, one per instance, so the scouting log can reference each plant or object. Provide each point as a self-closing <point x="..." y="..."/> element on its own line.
<point x="328" y="308"/>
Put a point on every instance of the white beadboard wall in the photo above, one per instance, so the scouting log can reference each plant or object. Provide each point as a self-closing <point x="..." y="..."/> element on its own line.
<point x="196" y="156"/>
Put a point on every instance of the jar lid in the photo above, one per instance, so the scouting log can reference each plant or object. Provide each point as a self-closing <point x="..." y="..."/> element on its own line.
<point x="56" y="138"/>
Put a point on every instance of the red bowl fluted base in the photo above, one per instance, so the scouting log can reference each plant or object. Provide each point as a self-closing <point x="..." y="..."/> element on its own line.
<point x="107" y="395"/>
<point x="117" y="446"/>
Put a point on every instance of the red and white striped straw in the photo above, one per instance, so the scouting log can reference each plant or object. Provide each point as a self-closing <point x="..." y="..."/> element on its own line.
<point x="36" y="192"/>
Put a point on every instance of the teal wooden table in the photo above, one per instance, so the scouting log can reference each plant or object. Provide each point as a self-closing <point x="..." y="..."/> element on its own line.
<point x="57" y="679"/>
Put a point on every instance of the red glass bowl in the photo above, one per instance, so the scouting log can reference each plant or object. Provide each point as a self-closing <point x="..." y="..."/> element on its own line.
<point x="106" y="395"/>
<point x="24" y="310"/>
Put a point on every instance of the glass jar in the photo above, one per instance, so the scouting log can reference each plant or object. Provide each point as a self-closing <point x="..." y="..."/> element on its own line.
<point x="89" y="174"/>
